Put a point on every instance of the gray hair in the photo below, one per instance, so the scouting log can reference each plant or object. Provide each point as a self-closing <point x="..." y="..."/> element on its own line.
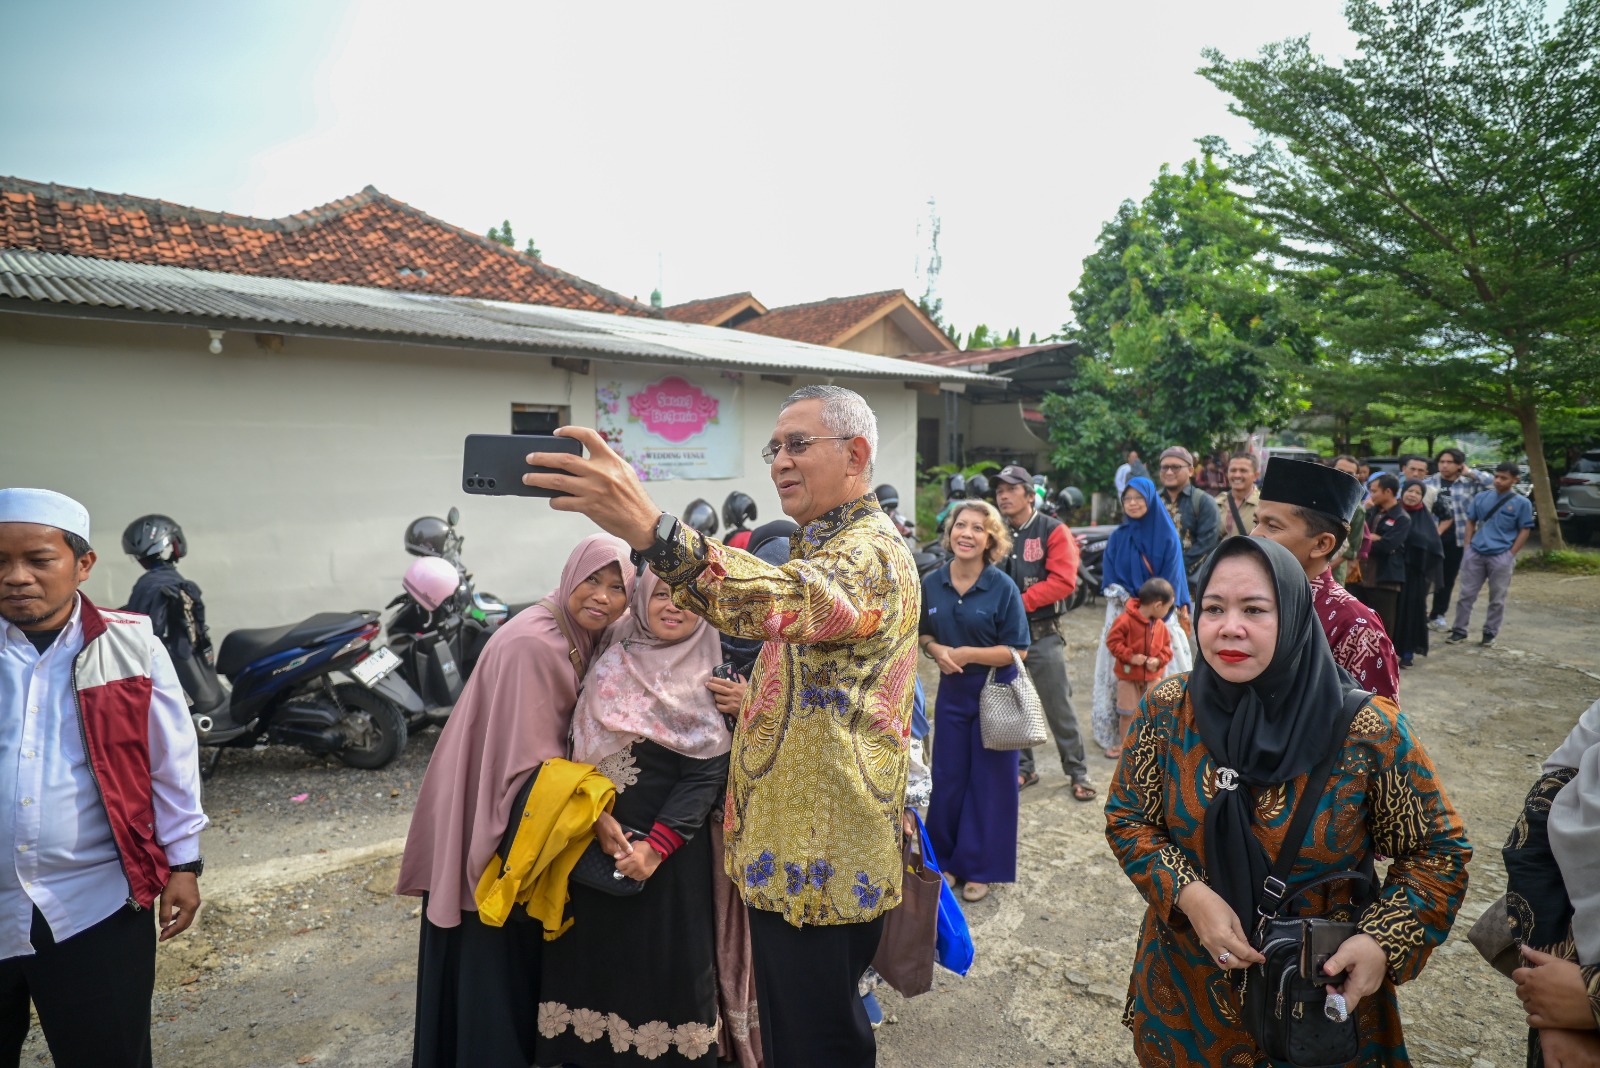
<point x="844" y="412"/>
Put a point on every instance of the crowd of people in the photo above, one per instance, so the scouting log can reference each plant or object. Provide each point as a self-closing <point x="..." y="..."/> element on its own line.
<point x="665" y="821"/>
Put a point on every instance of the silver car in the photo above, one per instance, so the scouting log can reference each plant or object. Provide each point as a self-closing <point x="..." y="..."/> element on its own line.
<point x="1578" y="499"/>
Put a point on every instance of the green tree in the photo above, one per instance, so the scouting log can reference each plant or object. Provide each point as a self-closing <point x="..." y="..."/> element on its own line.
<point x="502" y="235"/>
<point x="1440" y="188"/>
<point x="1181" y="323"/>
<point x="1092" y="427"/>
<point x="982" y="337"/>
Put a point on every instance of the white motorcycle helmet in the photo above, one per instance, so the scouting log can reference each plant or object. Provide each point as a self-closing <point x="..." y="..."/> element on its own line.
<point x="431" y="581"/>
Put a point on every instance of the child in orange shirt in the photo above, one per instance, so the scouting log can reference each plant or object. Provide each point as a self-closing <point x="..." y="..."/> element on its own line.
<point x="1141" y="647"/>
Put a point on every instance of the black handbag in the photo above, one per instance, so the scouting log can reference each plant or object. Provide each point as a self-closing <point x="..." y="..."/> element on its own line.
<point x="598" y="871"/>
<point x="1283" y="998"/>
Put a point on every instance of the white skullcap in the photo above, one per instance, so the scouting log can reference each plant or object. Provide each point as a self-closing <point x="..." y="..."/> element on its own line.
<point x="45" y="507"/>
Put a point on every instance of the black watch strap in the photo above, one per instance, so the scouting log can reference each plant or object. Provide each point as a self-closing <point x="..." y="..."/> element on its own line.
<point x="664" y="550"/>
<point x="196" y="866"/>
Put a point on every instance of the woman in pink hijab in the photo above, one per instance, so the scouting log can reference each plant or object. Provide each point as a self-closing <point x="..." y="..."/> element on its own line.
<point x="634" y="980"/>
<point x="476" y="984"/>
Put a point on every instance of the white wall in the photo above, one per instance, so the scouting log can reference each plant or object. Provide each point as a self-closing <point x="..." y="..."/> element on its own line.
<point x="294" y="474"/>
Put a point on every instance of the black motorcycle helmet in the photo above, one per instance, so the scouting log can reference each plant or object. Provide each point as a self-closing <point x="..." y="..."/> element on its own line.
<point x="701" y="516"/>
<point x="738" y="509"/>
<point x="428" y="536"/>
<point x="154" y="539"/>
<point x="978" y="488"/>
<point x="888" y="497"/>
<point x="1070" y="497"/>
<point x="955" y="488"/>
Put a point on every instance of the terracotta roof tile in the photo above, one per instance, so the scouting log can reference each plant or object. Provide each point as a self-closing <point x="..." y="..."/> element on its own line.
<point x="712" y="311"/>
<point x="822" y="322"/>
<point x="367" y="239"/>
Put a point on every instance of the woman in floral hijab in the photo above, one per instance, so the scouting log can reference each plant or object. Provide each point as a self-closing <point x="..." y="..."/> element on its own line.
<point x="634" y="979"/>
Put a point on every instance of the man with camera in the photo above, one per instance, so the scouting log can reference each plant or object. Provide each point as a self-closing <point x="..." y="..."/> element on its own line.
<point x="817" y="783"/>
<point x="1044" y="565"/>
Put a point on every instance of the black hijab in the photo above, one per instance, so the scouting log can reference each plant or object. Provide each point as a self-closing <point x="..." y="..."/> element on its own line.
<point x="1424" y="531"/>
<point x="1269" y="730"/>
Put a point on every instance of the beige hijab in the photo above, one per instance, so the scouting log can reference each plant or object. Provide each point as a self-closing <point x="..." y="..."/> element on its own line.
<point x="512" y="716"/>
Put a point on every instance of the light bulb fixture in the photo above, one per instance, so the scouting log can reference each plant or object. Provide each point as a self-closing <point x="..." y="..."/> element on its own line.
<point x="216" y="342"/>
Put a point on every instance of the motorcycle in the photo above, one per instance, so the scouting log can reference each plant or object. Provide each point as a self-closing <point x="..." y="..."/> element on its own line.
<point x="441" y="620"/>
<point x="282" y="686"/>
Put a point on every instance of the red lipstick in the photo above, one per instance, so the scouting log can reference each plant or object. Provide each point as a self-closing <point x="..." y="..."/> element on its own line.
<point x="1233" y="656"/>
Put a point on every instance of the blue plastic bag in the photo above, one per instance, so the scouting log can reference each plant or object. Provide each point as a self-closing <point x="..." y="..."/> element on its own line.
<point x="953" y="948"/>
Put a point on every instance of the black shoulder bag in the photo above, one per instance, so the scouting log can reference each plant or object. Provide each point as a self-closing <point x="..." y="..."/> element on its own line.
<point x="1285" y="1008"/>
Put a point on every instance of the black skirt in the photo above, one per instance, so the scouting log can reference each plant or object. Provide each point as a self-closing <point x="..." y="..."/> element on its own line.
<point x="633" y="980"/>
<point x="476" y="989"/>
<point x="1411" y="624"/>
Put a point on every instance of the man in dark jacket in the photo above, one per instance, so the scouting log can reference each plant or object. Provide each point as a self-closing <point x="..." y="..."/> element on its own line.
<point x="1384" y="575"/>
<point x="1044" y="565"/>
<point x="1193" y="512"/>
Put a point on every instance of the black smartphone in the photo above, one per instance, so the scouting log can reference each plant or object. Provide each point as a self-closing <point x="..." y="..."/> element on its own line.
<point x="493" y="464"/>
<point x="725" y="670"/>
<point x="1321" y="940"/>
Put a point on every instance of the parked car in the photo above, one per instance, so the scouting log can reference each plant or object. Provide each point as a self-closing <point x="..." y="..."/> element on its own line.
<point x="1578" y="499"/>
<point x="1390" y="464"/>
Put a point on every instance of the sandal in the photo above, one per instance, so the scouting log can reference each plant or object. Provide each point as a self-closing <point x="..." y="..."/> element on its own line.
<point x="1026" y="779"/>
<point x="1082" y="791"/>
<point x="1114" y="753"/>
<point x="974" y="891"/>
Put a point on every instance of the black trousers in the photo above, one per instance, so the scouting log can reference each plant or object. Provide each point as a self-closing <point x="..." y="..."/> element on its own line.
<point x="811" y="1012"/>
<point x="1384" y="600"/>
<point x="1452" y="568"/>
<point x="478" y="993"/>
<point x="92" y="993"/>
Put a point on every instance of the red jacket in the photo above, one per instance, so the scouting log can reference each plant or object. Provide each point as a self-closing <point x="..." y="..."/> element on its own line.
<point x="1132" y="638"/>
<point x="111" y="684"/>
<point x="1044" y="565"/>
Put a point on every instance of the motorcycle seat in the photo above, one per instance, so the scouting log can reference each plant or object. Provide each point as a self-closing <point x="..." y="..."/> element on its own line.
<point x="242" y="648"/>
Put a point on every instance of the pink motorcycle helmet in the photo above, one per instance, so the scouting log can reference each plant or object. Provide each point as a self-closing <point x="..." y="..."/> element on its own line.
<point x="431" y="581"/>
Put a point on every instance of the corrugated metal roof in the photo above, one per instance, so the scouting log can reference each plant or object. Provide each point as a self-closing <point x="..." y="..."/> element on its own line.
<point x="141" y="292"/>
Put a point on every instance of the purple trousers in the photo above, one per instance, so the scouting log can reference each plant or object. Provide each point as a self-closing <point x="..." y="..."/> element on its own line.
<point x="972" y="817"/>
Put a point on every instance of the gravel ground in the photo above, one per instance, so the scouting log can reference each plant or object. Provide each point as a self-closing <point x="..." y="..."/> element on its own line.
<point x="303" y="956"/>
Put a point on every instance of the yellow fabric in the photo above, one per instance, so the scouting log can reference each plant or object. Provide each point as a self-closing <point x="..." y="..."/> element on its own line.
<point x="817" y="776"/>
<point x="556" y="827"/>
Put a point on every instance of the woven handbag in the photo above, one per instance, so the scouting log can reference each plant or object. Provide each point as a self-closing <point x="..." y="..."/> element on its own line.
<point x="1010" y="713"/>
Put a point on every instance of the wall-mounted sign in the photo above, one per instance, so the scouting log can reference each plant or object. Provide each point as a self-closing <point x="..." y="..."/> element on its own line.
<point x="673" y="427"/>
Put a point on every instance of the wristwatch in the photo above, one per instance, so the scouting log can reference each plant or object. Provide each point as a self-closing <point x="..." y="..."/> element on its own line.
<point x="663" y="551"/>
<point x="195" y="866"/>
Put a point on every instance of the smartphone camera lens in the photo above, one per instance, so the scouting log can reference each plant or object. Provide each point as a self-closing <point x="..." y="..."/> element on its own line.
<point x="491" y="483"/>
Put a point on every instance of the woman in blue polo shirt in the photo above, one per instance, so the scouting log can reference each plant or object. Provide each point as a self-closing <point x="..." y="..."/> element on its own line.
<point x="972" y="618"/>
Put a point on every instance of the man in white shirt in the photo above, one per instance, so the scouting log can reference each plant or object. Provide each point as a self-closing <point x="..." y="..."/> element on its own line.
<point x="100" y="790"/>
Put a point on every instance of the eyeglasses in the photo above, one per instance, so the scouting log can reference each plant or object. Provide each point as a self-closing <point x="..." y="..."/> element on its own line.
<point x="797" y="446"/>
<point x="1174" y="467"/>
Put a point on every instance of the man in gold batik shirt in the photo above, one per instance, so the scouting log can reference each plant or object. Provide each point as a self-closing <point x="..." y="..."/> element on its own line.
<point x="818" y="770"/>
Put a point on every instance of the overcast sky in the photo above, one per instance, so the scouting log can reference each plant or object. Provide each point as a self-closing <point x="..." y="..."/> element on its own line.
<point x="789" y="150"/>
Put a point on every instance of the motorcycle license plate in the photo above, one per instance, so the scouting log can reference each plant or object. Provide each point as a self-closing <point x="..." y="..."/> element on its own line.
<point x="372" y="670"/>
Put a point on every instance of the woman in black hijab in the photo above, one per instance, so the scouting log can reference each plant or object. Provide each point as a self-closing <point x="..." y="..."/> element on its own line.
<point x="1204" y="793"/>
<point x="1424" y="570"/>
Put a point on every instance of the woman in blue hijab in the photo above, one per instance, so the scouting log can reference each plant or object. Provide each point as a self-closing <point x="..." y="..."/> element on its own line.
<point x="1145" y="546"/>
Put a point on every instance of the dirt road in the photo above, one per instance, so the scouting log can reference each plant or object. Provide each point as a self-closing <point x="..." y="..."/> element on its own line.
<point x="304" y="957"/>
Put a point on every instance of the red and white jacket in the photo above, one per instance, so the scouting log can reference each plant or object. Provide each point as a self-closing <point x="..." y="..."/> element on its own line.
<point x="111" y="684"/>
